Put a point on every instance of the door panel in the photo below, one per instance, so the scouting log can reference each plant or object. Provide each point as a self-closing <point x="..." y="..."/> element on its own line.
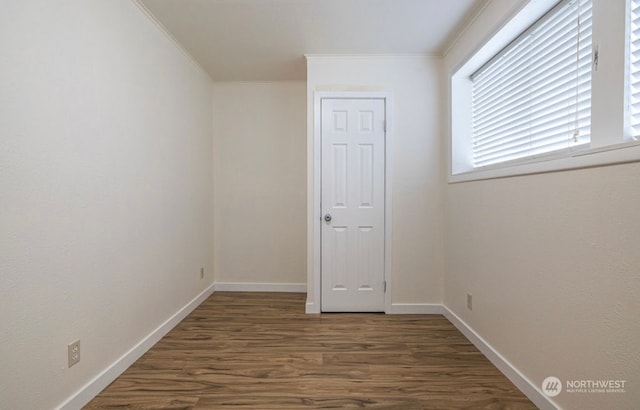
<point x="339" y="168"/>
<point x="353" y="191"/>
<point x="365" y="161"/>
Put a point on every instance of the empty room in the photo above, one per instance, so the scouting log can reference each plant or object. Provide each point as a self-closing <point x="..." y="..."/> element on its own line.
<point x="320" y="204"/>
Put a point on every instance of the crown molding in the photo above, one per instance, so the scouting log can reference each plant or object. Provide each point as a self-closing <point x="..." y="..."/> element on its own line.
<point x="170" y="36"/>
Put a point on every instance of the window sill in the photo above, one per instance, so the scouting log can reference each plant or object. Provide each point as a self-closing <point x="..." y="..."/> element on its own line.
<point x="593" y="157"/>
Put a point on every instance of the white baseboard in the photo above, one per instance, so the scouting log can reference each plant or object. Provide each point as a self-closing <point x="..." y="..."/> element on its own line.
<point x="415" y="309"/>
<point x="260" y="287"/>
<point x="525" y="385"/>
<point x="312" y="308"/>
<point x="95" y="386"/>
<point x="395" y="309"/>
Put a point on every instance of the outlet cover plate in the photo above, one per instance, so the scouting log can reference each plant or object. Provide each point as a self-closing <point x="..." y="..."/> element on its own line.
<point x="73" y="352"/>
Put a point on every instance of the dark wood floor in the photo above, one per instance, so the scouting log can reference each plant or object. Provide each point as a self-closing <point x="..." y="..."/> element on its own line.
<point x="260" y="351"/>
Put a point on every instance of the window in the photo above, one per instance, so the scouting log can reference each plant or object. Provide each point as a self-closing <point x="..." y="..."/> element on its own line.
<point x="634" y="68"/>
<point x="556" y="87"/>
<point x="534" y="97"/>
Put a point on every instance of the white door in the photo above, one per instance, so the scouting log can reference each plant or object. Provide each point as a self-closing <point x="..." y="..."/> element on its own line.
<point x="352" y="205"/>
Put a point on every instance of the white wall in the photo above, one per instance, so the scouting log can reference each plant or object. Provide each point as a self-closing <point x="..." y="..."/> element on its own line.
<point x="552" y="262"/>
<point x="417" y="260"/>
<point x="260" y="182"/>
<point x="106" y="183"/>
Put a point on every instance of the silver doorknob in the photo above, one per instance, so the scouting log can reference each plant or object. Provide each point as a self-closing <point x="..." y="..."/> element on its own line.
<point x="327" y="218"/>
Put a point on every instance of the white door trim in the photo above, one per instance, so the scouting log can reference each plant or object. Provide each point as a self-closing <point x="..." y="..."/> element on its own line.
<point x="314" y="307"/>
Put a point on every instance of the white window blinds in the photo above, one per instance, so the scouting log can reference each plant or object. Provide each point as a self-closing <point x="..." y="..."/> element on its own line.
<point x="534" y="97"/>
<point x="634" y="69"/>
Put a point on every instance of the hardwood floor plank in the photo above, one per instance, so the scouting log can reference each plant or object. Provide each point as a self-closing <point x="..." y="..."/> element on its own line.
<point x="143" y="403"/>
<point x="372" y="403"/>
<point x="261" y="351"/>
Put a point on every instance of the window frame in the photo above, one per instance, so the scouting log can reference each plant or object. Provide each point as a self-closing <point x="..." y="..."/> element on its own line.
<point x="610" y="142"/>
<point x="629" y="132"/>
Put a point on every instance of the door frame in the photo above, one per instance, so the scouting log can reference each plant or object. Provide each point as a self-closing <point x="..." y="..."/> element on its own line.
<point x="315" y="196"/>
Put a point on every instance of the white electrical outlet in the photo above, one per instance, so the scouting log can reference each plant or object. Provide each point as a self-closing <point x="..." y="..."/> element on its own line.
<point x="201" y="273"/>
<point x="469" y="301"/>
<point x="73" y="352"/>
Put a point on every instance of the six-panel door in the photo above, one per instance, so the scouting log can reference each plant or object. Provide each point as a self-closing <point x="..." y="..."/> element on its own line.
<point x="352" y="204"/>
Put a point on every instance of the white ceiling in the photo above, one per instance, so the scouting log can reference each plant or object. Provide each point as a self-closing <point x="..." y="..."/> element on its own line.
<point x="266" y="40"/>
